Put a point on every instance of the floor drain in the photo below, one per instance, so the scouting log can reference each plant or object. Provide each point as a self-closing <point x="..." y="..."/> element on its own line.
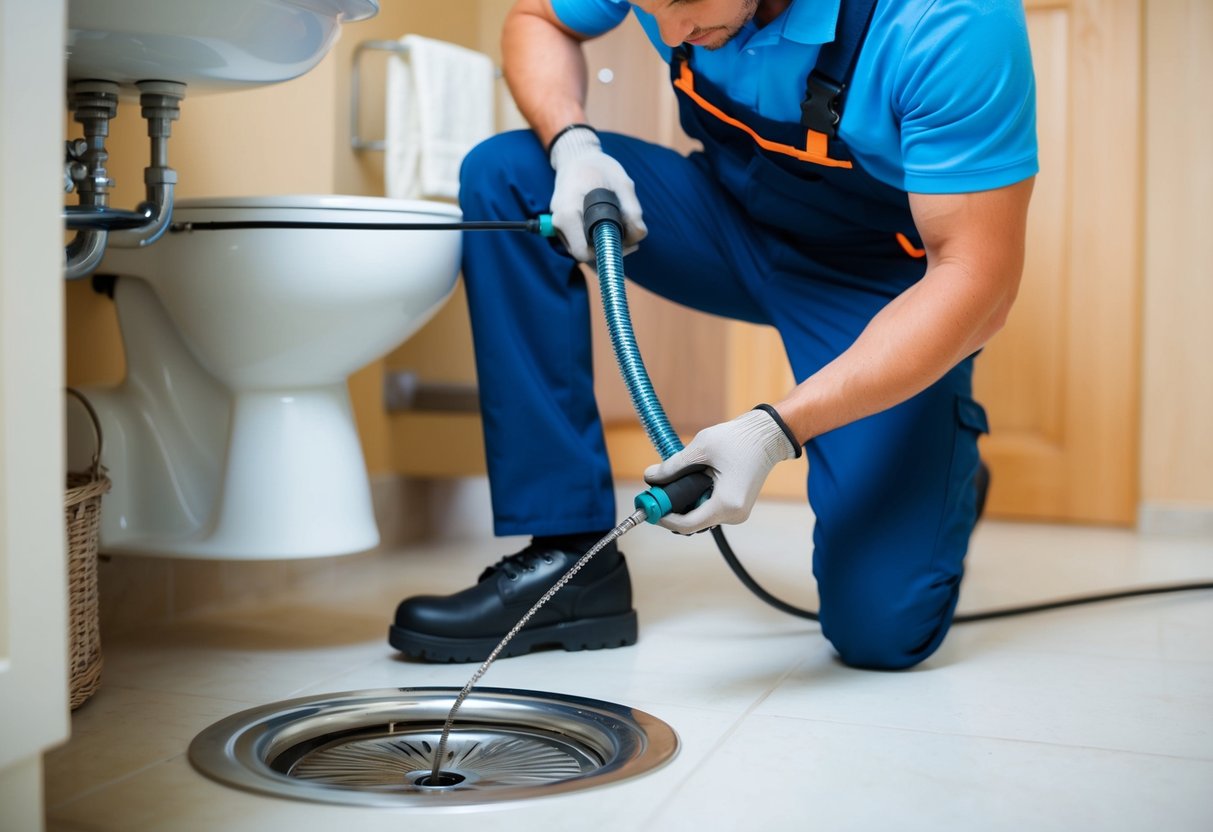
<point x="376" y="748"/>
<point x="442" y="779"/>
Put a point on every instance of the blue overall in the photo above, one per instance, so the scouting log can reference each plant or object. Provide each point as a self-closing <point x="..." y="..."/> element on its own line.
<point x="808" y="247"/>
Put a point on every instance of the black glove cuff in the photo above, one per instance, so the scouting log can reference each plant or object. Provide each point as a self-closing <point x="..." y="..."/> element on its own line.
<point x="783" y="426"/>
<point x="560" y="133"/>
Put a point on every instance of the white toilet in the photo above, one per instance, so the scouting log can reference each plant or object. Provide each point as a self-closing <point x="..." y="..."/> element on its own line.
<point x="232" y="435"/>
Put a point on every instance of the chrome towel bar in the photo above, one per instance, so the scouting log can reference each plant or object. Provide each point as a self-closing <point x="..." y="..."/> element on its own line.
<point x="393" y="46"/>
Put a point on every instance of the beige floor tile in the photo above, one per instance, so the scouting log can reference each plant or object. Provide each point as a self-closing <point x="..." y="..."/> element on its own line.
<point x="120" y="731"/>
<point x="1163" y="708"/>
<point x="775" y="773"/>
<point x="257" y="660"/>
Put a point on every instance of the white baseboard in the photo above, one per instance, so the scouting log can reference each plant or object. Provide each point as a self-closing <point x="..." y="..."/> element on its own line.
<point x="1175" y="519"/>
<point x="401" y="506"/>
<point x="460" y="509"/>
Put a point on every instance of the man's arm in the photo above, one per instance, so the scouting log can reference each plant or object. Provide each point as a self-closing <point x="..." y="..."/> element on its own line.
<point x="975" y="251"/>
<point x="544" y="68"/>
<point x="546" y="72"/>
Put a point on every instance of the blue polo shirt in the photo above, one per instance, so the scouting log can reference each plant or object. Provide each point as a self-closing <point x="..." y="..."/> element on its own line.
<point x="943" y="98"/>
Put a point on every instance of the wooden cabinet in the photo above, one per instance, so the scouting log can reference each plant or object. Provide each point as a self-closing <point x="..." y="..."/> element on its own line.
<point x="1060" y="382"/>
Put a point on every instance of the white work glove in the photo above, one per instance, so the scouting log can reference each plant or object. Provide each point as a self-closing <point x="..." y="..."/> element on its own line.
<point x="739" y="455"/>
<point x="580" y="167"/>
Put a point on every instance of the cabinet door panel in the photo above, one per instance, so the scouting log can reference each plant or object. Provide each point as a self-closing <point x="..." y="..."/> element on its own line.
<point x="1061" y="381"/>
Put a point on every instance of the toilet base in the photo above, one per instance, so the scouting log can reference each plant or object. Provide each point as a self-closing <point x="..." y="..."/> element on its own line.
<point x="290" y="480"/>
<point x="295" y="483"/>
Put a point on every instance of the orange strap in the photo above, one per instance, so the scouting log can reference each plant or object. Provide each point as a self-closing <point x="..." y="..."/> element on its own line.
<point x="909" y="247"/>
<point x="816" y="145"/>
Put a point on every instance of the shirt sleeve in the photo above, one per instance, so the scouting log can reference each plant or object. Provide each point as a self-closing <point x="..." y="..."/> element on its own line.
<point x="591" y="17"/>
<point x="966" y="96"/>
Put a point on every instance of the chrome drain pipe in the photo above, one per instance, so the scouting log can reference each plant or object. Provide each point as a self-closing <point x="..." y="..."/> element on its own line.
<point x="97" y="225"/>
<point x="93" y="103"/>
<point x="161" y="106"/>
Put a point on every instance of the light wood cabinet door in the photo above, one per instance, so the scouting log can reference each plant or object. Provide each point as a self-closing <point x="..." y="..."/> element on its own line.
<point x="1060" y="382"/>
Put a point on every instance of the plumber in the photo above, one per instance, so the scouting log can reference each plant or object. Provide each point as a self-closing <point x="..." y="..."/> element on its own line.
<point x="863" y="187"/>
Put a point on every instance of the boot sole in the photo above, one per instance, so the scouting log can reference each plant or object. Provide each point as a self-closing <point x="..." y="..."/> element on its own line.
<point x="583" y="634"/>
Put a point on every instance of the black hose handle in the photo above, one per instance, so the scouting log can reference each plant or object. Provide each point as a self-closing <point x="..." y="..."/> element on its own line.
<point x="601" y="205"/>
<point x="686" y="491"/>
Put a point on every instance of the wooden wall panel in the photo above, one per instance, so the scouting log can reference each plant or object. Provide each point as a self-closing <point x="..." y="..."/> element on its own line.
<point x="1062" y="380"/>
<point x="1177" y="452"/>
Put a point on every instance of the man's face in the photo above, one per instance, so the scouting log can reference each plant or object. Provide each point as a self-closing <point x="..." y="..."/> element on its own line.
<point x="708" y="24"/>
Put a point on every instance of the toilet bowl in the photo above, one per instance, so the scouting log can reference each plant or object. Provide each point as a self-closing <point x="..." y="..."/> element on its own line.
<point x="232" y="434"/>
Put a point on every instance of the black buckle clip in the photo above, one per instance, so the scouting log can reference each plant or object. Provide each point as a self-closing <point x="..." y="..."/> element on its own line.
<point x="820" y="109"/>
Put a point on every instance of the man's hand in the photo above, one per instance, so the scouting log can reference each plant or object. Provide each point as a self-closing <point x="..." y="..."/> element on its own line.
<point x="580" y="167"/>
<point x="739" y="454"/>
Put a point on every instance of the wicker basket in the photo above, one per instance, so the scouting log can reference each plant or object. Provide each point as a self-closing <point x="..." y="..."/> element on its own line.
<point x="82" y="503"/>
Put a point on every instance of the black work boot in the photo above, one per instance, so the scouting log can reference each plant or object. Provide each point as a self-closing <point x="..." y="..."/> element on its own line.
<point x="593" y="610"/>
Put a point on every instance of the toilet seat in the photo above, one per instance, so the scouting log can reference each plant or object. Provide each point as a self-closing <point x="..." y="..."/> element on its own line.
<point x="309" y="207"/>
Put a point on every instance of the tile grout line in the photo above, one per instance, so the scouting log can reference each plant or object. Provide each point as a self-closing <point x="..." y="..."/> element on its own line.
<point x="1103" y="656"/>
<point x="299" y="691"/>
<point x="1020" y="740"/>
<point x="89" y="792"/>
<point x="240" y="704"/>
<point x="732" y="729"/>
<point x="204" y="697"/>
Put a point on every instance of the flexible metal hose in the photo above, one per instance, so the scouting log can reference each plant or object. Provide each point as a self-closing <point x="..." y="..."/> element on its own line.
<point x="608" y="251"/>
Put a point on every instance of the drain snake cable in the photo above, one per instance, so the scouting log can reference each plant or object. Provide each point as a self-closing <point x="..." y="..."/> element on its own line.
<point x="603" y="223"/>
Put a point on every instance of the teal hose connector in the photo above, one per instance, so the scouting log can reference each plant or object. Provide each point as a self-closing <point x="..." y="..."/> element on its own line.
<point x="677" y="497"/>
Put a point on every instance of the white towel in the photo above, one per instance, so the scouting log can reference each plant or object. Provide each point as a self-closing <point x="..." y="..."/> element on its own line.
<point x="439" y="106"/>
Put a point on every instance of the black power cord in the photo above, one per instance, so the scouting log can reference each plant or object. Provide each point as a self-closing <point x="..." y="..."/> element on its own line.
<point x="1004" y="612"/>
<point x="534" y="226"/>
<point x="542" y="226"/>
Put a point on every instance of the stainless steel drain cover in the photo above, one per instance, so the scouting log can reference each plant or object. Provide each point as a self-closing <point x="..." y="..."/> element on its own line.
<point x="376" y="747"/>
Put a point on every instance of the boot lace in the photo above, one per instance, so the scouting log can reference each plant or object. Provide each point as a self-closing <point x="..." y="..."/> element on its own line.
<point x="525" y="561"/>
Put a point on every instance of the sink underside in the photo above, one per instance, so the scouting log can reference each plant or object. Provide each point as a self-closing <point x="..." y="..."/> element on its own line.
<point x="211" y="46"/>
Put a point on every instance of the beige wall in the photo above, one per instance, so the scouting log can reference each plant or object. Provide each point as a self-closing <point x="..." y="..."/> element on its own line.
<point x="446" y="340"/>
<point x="1177" y="406"/>
<point x="447" y="444"/>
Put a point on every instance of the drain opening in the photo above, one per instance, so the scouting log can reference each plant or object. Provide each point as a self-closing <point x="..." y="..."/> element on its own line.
<point x="443" y="780"/>
<point x="401" y="757"/>
<point x="377" y="747"/>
